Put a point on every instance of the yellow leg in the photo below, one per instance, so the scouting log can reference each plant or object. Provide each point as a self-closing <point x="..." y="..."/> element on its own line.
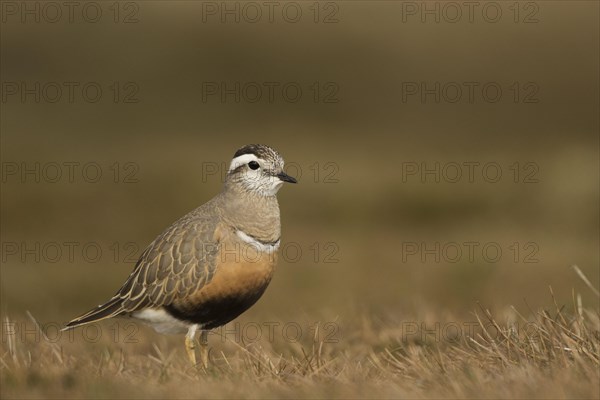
<point x="190" y="344"/>
<point x="204" y="348"/>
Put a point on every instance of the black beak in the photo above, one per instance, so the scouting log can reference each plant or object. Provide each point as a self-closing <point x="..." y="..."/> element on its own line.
<point x="286" y="178"/>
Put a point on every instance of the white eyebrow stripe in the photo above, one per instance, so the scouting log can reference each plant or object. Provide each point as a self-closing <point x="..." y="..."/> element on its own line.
<point x="266" y="247"/>
<point x="241" y="160"/>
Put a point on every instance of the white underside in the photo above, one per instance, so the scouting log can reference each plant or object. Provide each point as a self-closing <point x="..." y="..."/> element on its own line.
<point x="267" y="248"/>
<point x="161" y="321"/>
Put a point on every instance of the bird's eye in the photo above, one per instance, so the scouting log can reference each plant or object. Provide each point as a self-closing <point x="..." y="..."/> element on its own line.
<point x="253" y="165"/>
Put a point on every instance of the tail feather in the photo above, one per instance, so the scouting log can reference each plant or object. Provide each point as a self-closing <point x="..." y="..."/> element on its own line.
<point x="110" y="309"/>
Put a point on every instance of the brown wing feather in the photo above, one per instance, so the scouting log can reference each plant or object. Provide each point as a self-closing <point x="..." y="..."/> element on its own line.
<point x="171" y="265"/>
<point x="178" y="262"/>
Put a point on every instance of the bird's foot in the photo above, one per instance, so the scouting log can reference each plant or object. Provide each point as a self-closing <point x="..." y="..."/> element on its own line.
<point x="190" y="348"/>
<point x="204" y="348"/>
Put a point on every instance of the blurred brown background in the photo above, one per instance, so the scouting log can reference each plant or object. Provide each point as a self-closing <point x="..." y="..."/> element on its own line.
<point x="156" y="124"/>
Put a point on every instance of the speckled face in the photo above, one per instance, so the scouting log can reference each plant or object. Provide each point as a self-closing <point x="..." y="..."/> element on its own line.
<point x="258" y="168"/>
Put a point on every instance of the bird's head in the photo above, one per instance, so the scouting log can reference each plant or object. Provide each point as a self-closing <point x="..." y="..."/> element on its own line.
<point x="258" y="169"/>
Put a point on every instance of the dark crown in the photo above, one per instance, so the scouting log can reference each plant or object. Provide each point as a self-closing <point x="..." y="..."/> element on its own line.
<point x="259" y="150"/>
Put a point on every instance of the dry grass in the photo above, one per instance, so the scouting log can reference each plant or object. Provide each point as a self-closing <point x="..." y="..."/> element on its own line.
<point x="553" y="353"/>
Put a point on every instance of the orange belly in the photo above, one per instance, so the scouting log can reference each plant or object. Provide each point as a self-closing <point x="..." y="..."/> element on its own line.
<point x="239" y="280"/>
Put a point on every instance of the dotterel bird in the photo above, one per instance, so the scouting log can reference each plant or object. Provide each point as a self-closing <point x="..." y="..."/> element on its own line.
<point x="212" y="264"/>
